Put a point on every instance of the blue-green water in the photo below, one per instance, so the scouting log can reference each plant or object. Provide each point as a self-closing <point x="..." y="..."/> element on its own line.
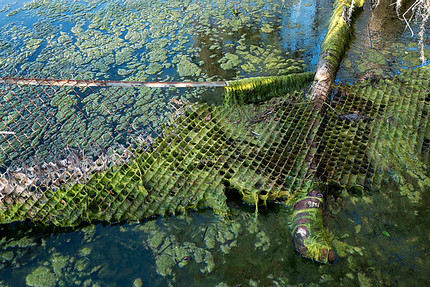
<point x="258" y="252"/>
<point x="387" y="235"/>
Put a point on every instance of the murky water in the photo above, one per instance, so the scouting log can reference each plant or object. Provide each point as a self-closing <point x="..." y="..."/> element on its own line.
<point x="387" y="235"/>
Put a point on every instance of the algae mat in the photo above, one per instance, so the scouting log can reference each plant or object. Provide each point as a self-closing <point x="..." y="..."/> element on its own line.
<point x="150" y="41"/>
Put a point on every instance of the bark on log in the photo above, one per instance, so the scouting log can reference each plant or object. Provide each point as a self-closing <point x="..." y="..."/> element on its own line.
<point x="310" y="239"/>
<point x="334" y="47"/>
<point x="308" y="233"/>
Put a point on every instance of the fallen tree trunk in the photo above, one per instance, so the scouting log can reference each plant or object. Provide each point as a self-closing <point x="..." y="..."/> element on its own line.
<point x="333" y="48"/>
<point x="310" y="239"/>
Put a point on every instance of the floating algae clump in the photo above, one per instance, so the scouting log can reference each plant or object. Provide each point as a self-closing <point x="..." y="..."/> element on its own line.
<point x="59" y="263"/>
<point x="230" y="61"/>
<point x="85" y="251"/>
<point x="6" y="256"/>
<point x="154" y="68"/>
<point x="186" y="68"/>
<point x="137" y="282"/>
<point x="41" y="277"/>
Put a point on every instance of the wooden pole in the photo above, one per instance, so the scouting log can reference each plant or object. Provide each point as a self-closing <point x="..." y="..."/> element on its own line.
<point x="95" y="83"/>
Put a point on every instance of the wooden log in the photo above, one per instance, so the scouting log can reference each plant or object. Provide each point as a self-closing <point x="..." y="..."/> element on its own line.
<point x="308" y="234"/>
<point x="309" y="231"/>
<point x="334" y="47"/>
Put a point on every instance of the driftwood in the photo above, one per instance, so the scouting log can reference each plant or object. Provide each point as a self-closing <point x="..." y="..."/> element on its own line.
<point x="307" y="218"/>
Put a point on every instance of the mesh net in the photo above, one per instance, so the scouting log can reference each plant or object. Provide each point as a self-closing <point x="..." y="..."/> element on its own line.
<point x="135" y="167"/>
<point x="48" y="121"/>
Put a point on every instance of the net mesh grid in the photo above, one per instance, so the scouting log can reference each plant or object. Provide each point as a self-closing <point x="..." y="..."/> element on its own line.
<point x="29" y="111"/>
<point x="269" y="151"/>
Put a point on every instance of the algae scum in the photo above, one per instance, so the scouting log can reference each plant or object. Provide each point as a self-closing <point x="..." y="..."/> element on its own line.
<point x="374" y="134"/>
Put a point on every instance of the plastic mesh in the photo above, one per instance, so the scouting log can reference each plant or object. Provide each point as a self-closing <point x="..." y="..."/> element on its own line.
<point x="205" y="151"/>
<point x="376" y="130"/>
<point x="46" y="122"/>
<point x="365" y="134"/>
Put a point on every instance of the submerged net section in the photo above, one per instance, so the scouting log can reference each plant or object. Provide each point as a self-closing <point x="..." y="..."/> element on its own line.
<point x="257" y="151"/>
<point x="277" y="150"/>
<point x="377" y="131"/>
<point x="42" y="123"/>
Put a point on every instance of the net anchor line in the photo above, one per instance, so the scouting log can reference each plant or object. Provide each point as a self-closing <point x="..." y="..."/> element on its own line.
<point x="97" y="83"/>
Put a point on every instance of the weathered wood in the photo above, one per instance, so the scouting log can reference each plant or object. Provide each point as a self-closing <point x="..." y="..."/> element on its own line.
<point x="95" y="83"/>
<point x="308" y="242"/>
<point x="334" y="47"/>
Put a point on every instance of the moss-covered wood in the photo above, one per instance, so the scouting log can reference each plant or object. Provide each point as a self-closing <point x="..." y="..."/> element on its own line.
<point x="259" y="89"/>
<point x="333" y="48"/>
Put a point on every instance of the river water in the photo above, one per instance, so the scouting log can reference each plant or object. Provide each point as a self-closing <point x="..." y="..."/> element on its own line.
<point x="387" y="234"/>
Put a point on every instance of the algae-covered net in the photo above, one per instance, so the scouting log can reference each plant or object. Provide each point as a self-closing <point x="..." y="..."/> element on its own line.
<point x="115" y="173"/>
<point x="276" y="150"/>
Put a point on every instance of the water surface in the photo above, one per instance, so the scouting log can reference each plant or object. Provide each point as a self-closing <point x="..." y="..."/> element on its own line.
<point x="386" y="234"/>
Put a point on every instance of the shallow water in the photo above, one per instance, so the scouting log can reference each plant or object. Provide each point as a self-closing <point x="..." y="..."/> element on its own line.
<point x="386" y="233"/>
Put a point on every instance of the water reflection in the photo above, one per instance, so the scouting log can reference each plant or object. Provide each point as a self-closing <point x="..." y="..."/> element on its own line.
<point x="382" y="44"/>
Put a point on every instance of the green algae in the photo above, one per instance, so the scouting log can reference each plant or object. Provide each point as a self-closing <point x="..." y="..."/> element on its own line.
<point x="140" y="46"/>
<point x="338" y="35"/>
<point x="170" y="252"/>
<point x="244" y="261"/>
<point x="6" y="256"/>
<point x="96" y="40"/>
<point x="81" y="264"/>
<point x="343" y="249"/>
<point x="410" y="188"/>
<point x="24" y="242"/>
<point x="59" y="264"/>
<point x="85" y="251"/>
<point x="154" y="68"/>
<point x="376" y="57"/>
<point x="230" y="61"/>
<point x="380" y="211"/>
<point x="137" y="282"/>
<point x="263" y="241"/>
<point x="41" y="277"/>
<point x="202" y="245"/>
<point x="368" y="49"/>
<point x="259" y="89"/>
<point x="252" y="59"/>
<point x="190" y="158"/>
<point x="186" y="68"/>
